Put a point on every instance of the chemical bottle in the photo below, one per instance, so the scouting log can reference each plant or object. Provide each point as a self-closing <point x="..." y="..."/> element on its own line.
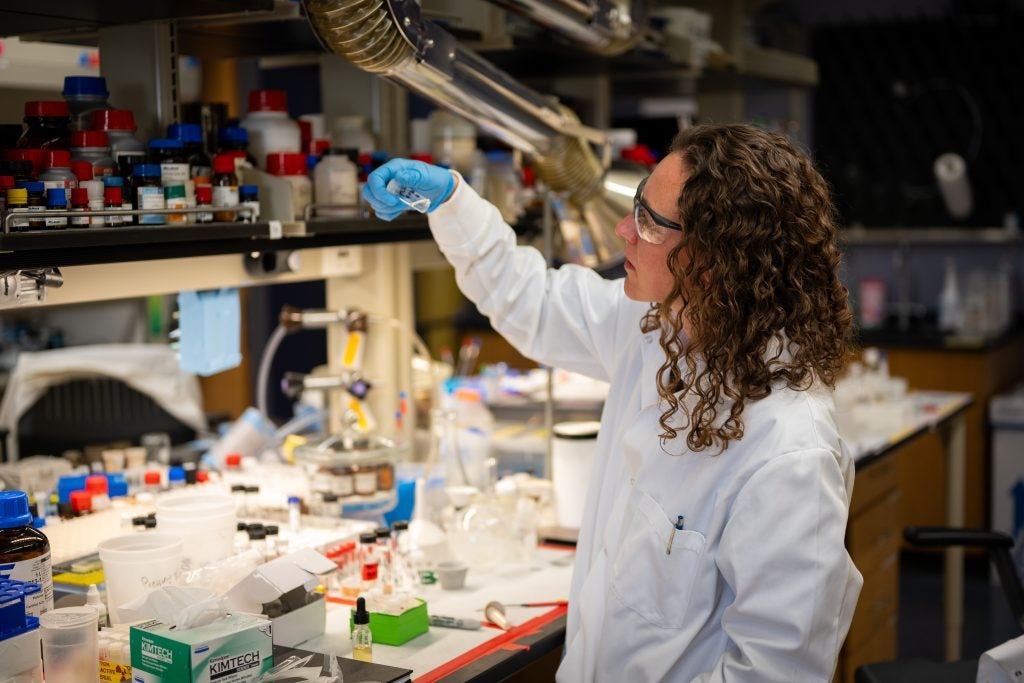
<point x="119" y="125"/>
<point x="48" y="126"/>
<point x="170" y="154"/>
<point x="34" y="158"/>
<point x="56" y="200"/>
<point x="225" y="187"/>
<point x="191" y="135"/>
<point x="204" y="198"/>
<point x="6" y="183"/>
<point x="270" y="129"/>
<point x="352" y="132"/>
<point x="174" y="198"/>
<point x="292" y="167"/>
<point x="17" y="202"/>
<point x="949" y="300"/>
<point x="80" y="204"/>
<point x="336" y="181"/>
<point x="112" y="200"/>
<point x="148" y="192"/>
<point x="248" y="195"/>
<point x="84" y="94"/>
<point x="235" y="139"/>
<point x="95" y="190"/>
<point x="95" y="600"/>
<point x="93" y="146"/>
<point x="57" y="169"/>
<point x="36" y="202"/>
<point x="24" y="551"/>
<point x="362" y="639"/>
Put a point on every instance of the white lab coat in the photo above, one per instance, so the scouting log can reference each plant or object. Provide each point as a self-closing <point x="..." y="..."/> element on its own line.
<point x="758" y="586"/>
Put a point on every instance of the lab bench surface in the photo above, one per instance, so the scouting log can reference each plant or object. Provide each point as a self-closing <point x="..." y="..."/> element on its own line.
<point x="487" y="654"/>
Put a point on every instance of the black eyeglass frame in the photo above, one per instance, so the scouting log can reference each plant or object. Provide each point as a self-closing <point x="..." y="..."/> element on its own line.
<point x="659" y="220"/>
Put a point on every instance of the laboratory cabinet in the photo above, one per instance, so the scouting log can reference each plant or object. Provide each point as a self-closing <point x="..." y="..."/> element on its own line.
<point x="982" y="372"/>
<point x="873" y="539"/>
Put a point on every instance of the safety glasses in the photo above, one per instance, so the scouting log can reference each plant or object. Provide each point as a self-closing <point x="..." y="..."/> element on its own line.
<point x="650" y="226"/>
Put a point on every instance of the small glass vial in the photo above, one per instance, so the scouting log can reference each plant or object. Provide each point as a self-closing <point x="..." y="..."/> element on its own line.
<point x="176" y="477"/>
<point x="383" y="549"/>
<point x="225" y="187"/>
<point x="258" y="541"/>
<point x="294" y="514"/>
<point x="17" y="202"/>
<point x="112" y="199"/>
<point x="365" y="477"/>
<point x="80" y="204"/>
<point x="241" y="537"/>
<point x="204" y="198"/>
<point x="273" y="541"/>
<point x="149" y="194"/>
<point x="174" y="198"/>
<point x="362" y="638"/>
<point x="252" y="499"/>
<point x="170" y="154"/>
<point x="369" y="563"/>
<point x="56" y="200"/>
<point x="36" y="202"/>
<point x="248" y="195"/>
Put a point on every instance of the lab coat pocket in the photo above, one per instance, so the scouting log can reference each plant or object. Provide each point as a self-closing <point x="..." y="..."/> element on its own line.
<point x="647" y="577"/>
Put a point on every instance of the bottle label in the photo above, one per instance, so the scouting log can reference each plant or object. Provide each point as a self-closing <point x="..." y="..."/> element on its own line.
<point x="54" y="221"/>
<point x="151" y="198"/>
<point x="225" y="195"/>
<point x="37" y="570"/>
<point x="366" y="482"/>
<point x="19" y="222"/>
<point x="59" y="184"/>
<point x="79" y="220"/>
<point x="254" y="216"/>
<point x="97" y="205"/>
<point x="344" y="485"/>
<point x="173" y="174"/>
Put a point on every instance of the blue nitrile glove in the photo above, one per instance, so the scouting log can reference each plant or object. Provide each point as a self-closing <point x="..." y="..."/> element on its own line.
<point x="433" y="182"/>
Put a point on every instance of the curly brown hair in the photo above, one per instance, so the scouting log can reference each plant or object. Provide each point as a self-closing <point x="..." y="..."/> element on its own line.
<point x="756" y="274"/>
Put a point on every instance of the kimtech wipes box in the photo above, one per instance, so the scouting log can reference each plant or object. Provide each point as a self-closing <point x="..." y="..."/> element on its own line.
<point x="234" y="649"/>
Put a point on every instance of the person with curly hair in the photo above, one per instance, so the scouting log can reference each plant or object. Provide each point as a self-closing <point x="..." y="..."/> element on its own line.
<point x="712" y="546"/>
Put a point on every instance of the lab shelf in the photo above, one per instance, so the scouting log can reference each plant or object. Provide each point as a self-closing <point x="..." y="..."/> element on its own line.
<point x="75" y="247"/>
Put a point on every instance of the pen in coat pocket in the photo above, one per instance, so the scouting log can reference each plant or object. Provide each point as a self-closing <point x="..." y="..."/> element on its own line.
<point x="678" y="526"/>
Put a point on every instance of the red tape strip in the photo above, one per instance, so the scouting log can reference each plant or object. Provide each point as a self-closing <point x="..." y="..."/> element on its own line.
<point x="505" y="641"/>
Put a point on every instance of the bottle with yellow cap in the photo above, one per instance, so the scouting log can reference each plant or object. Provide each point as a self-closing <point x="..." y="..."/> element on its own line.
<point x="17" y="202"/>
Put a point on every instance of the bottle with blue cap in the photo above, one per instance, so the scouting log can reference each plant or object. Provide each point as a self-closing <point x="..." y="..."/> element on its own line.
<point x="25" y="551"/>
<point x="191" y="135"/>
<point x="56" y="200"/>
<point x="84" y="94"/>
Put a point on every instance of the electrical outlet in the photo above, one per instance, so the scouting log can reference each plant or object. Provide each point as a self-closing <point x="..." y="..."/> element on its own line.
<point x="342" y="261"/>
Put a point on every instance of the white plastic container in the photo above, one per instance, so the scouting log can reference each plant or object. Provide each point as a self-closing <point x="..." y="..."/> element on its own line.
<point x="270" y="129"/>
<point x="336" y="181"/>
<point x="206" y="523"/>
<point x="136" y="564"/>
<point x="248" y="436"/>
<point x="353" y="132"/>
<point x="70" y="649"/>
<point x="572" y="459"/>
<point x="293" y="168"/>
<point x="453" y="141"/>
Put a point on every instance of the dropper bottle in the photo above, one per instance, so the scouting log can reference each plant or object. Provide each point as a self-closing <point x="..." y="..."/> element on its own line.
<point x="362" y="639"/>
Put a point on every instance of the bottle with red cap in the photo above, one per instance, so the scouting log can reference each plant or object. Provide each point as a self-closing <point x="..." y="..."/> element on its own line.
<point x="113" y="199"/>
<point x="152" y="480"/>
<point x="292" y="167"/>
<point x="119" y="125"/>
<point x="204" y="198"/>
<point x="225" y="186"/>
<point x="80" y="204"/>
<point x="6" y="183"/>
<point x="48" y="125"/>
<point x="270" y="129"/>
<point x="93" y="146"/>
<point x="57" y="171"/>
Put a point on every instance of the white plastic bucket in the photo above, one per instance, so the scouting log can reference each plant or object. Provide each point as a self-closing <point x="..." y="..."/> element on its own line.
<point x="572" y="459"/>
<point x="137" y="563"/>
<point x="206" y="522"/>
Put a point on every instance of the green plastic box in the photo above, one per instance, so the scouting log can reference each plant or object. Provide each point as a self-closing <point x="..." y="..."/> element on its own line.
<point x="388" y="629"/>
